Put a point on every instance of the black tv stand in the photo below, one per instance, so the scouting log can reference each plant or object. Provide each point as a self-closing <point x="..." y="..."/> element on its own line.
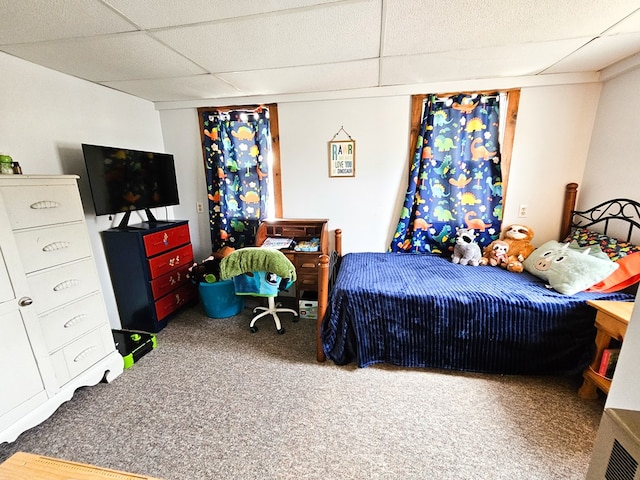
<point x="151" y="220"/>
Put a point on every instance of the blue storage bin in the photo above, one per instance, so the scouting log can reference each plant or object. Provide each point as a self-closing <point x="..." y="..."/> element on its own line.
<point x="219" y="299"/>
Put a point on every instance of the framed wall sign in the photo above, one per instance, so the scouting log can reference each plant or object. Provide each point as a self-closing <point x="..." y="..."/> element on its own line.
<point x="342" y="156"/>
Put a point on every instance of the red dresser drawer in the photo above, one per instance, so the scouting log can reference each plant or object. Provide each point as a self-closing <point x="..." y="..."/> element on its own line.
<point x="170" y="261"/>
<point x="176" y="299"/>
<point x="170" y="281"/>
<point x="164" y="240"/>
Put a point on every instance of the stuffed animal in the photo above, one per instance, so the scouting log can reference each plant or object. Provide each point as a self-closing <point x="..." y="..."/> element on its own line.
<point x="466" y="251"/>
<point x="206" y="271"/>
<point x="519" y="239"/>
<point x="495" y="254"/>
<point x="209" y="269"/>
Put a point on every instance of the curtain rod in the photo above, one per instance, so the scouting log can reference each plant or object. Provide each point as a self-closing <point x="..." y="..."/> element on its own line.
<point x="443" y="98"/>
<point x="241" y="109"/>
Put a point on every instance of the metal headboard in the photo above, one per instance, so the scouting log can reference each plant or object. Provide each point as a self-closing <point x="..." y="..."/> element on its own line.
<point x="608" y="213"/>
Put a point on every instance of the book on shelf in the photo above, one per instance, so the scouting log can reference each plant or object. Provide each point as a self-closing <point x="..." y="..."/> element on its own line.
<point x="608" y="362"/>
<point x="277" y="242"/>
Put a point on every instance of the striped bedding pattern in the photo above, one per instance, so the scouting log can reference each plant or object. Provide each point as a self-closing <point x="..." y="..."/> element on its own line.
<point x="424" y="311"/>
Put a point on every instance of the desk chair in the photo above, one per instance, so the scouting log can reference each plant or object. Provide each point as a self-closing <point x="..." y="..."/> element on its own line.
<point x="260" y="272"/>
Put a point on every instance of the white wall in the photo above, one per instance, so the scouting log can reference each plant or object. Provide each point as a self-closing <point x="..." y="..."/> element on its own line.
<point x="613" y="170"/>
<point x="366" y="207"/>
<point x="181" y="135"/>
<point x="552" y="138"/>
<point x="45" y="116"/>
<point x="549" y="151"/>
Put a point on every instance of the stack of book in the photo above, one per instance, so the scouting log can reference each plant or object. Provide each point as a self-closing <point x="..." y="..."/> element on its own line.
<point x="608" y="362"/>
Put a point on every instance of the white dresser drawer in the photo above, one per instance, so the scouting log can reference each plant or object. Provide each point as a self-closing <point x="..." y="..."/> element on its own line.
<point x="54" y="287"/>
<point x="32" y="206"/>
<point x="80" y="355"/>
<point x="41" y="248"/>
<point x="72" y="321"/>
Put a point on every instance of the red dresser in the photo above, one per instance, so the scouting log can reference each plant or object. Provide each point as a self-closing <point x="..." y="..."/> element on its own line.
<point x="148" y="266"/>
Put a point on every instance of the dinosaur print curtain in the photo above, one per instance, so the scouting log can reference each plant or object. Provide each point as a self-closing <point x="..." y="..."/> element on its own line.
<point x="455" y="177"/>
<point x="236" y="146"/>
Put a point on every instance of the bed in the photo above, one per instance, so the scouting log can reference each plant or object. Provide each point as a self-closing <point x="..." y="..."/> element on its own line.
<point x="424" y="311"/>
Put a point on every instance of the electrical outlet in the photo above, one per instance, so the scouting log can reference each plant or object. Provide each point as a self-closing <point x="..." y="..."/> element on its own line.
<point x="199" y="207"/>
<point x="522" y="212"/>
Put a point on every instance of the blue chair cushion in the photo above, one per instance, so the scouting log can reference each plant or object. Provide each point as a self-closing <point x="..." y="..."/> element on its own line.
<point x="260" y="284"/>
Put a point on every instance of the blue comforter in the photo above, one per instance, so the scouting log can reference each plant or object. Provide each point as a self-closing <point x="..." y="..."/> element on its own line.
<point x="424" y="311"/>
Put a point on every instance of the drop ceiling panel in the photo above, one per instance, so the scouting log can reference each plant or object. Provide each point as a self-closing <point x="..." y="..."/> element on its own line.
<point x="175" y="89"/>
<point x="598" y="54"/>
<point x="512" y="61"/>
<point x="627" y="25"/>
<point x="34" y="20"/>
<point x="315" y="78"/>
<point x="339" y="32"/>
<point x="153" y="14"/>
<point x="115" y="57"/>
<point x="183" y="50"/>
<point x="415" y="26"/>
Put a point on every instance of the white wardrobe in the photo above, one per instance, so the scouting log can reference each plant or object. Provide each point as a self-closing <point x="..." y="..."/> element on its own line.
<point x="54" y="332"/>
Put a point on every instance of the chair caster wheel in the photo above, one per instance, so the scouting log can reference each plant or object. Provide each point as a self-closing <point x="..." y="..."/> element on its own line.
<point x="281" y="331"/>
<point x="253" y="329"/>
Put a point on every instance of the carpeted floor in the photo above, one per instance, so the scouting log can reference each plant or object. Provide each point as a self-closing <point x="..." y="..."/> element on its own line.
<point x="215" y="401"/>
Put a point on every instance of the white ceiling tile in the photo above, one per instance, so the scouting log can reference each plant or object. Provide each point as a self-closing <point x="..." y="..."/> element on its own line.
<point x="598" y="54"/>
<point x="165" y="50"/>
<point x="315" y="78"/>
<point x="175" y="89"/>
<point x="627" y="25"/>
<point x="129" y="56"/>
<point x="339" y="32"/>
<point x="34" y="20"/>
<point x="415" y="26"/>
<point x="511" y="61"/>
<point x="153" y="14"/>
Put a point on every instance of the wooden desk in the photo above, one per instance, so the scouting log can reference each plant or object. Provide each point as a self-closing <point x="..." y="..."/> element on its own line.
<point x="611" y="322"/>
<point x="312" y="268"/>
<point x="21" y="466"/>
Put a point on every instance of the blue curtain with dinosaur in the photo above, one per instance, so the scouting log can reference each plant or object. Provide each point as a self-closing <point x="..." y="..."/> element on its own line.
<point x="455" y="176"/>
<point x="236" y="146"/>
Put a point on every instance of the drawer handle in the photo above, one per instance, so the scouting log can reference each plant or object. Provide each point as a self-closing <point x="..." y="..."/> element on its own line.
<point x="25" y="301"/>
<point x="76" y="320"/>
<point x="85" y="353"/>
<point x="45" y="204"/>
<point x="66" y="284"/>
<point x="52" y="247"/>
<point x="308" y="265"/>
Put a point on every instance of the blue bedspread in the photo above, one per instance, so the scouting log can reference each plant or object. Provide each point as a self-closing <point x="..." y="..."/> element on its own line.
<point x="424" y="311"/>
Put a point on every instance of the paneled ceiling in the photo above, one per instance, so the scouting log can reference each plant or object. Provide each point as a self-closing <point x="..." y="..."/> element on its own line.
<point x="175" y="50"/>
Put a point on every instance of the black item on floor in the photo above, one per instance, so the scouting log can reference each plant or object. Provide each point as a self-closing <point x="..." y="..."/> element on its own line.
<point x="133" y="344"/>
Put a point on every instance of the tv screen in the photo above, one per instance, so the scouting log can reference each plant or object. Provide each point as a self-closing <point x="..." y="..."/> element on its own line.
<point x="123" y="180"/>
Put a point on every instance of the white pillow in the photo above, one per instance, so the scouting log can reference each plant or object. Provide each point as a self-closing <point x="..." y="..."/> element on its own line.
<point x="567" y="270"/>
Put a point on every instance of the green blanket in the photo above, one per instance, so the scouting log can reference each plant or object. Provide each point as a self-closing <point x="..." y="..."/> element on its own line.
<point x="256" y="259"/>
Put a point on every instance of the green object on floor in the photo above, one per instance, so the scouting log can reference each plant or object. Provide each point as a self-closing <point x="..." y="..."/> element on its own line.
<point x="133" y="345"/>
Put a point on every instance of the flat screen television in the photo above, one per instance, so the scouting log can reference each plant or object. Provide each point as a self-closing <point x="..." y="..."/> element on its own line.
<point x="125" y="180"/>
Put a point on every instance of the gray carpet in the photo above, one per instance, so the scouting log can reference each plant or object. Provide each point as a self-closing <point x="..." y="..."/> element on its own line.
<point x="215" y="401"/>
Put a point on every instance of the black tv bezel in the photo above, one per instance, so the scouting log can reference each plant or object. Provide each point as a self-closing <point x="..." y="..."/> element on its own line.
<point x="98" y="184"/>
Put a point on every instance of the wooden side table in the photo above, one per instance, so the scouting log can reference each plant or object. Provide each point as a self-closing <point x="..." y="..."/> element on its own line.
<point x="611" y="322"/>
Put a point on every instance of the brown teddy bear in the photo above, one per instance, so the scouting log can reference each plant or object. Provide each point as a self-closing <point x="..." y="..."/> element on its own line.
<point x="519" y="239"/>
<point x="495" y="254"/>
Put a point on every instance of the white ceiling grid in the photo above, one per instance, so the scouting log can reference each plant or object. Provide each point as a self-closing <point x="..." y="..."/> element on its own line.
<point x="175" y="50"/>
